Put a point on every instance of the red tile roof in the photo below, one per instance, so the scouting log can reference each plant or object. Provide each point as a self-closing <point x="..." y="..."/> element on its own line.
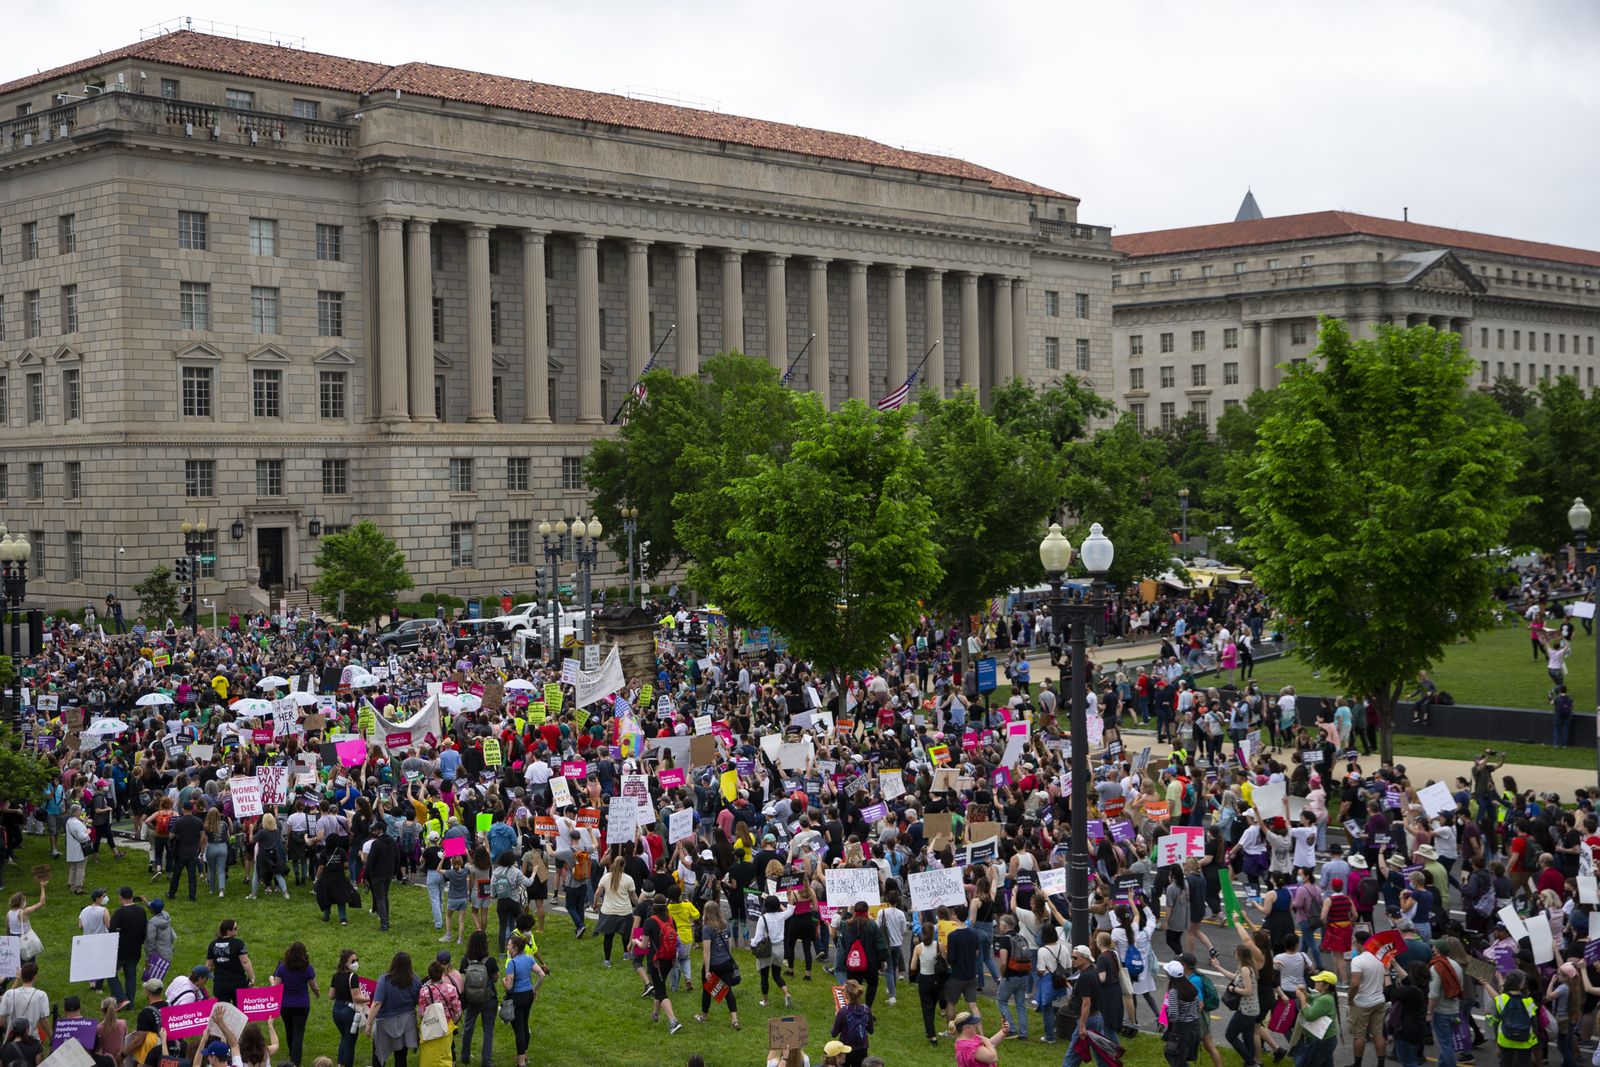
<point x="226" y="55"/>
<point x="1325" y="224"/>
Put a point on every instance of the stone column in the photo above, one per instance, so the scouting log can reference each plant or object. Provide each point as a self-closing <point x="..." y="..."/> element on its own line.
<point x="1002" y="330"/>
<point x="535" y="343"/>
<point x="419" y="318"/>
<point x="777" y="312"/>
<point x="1269" y="354"/>
<point x="933" y="329"/>
<point x="480" y="363"/>
<point x="392" y="319"/>
<point x="817" y="315"/>
<point x="971" y="376"/>
<point x="1019" y="328"/>
<point x="856" y="370"/>
<point x="688" y="334"/>
<point x="897" y="328"/>
<point x="640" y="343"/>
<point x="1250" y="357"/>
<point x="732" y="300"/>
<point x="588" y="247"/>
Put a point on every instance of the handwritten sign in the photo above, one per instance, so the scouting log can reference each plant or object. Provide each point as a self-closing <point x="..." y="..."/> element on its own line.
<point x="937" y="889"/>
<point x="846" y="886"/>
<point x="246" y="791"/>
<point x="1053" y="881"/>
<point x="680" y="825"/>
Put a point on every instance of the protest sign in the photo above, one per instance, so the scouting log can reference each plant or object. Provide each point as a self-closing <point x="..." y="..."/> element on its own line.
<point x="187" y="1020"/>
<point x="80" y="1031"/>
<point x="680" y="824"/>
<point x="351" y="753"/>
<point x="491" y="751"/>
<point x="561" y="793"/>
<point x="1171" y="850"/>
<point x="671" y="778"/>
<point x="454" y="846"/>
<point x="274" y="785"/>
<point x="937" y="822"/>
<point x="874" y="812"/>
<point x="891" y="783"/>
<point x="10" y="957"/>
<point x="1387" y="946"/>
<point x="1053" y="881"/>
<point x="1269" y="799"/>
<point x="702" y="750"/>
<point x="261" y="1002"/>
<point x="246" y="791"/>
<point x="574" y="768"/>
<point x="846" y="886"/>
<point x="937" y="889"/>
<point x="1156" y="810"/>
<point x="1436" y="799"/>
<point x="622" y="816"/>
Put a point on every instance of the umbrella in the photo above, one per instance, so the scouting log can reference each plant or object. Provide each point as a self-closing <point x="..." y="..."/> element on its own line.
<point x="303" y="699"/>
<point x="252" y="706"/>
<point x="106" y="726"/>
<point x="520" y="683"/>
<point x="151" y="700"/>
<point x="363" y="681"/>
<point x="272" y="681"/>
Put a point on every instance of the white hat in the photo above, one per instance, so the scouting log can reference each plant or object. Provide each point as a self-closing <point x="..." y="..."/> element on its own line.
<point x="1173" y="968"/>
<point x="1083" y="950"/>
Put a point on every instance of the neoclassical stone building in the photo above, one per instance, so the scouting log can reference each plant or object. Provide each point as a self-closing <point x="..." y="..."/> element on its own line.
<point x="1205" y="315"/>
<point x="282" y="291"/>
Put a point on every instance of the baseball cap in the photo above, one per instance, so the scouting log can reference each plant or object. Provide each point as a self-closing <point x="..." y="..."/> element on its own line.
<point x="153" y="985"/>
<point x="1173" y="968"/>
<point x="967" y="1018"/>
<point x="219" y="1049"/>
<point x="200" y="971"/>
<point x="837" y="1048"/>
<point x="1327" y="977"/>
<point x="1083" y="950"/>
<point x="443" y="955"/>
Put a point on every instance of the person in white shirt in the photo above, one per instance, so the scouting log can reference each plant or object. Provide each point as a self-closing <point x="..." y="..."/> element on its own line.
<point x="1304" y="837"/>
<point x="1368" y="976"/>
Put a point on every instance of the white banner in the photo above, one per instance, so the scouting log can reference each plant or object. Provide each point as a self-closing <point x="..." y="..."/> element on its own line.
<point x="602" y="683"/>
<point x="423" y="728"/>
<point x="935" y="889"/>
<point x="846" y="886"/>
<point x="246" y="797"/>
<point x="10" y="956"/>
<point x="1436" y="799"/>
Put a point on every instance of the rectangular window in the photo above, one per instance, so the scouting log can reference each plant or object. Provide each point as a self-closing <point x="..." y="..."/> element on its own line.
<point x="1138" y="415"/>
<point x="494" y="322"/>
<point x="1169" y="415"/>
<point x="1166" y="342"/>
<point x="518" y="474"/>
<point x="1169" y="377"/>
<point x="2" y="318"/>
<point x="550" y="329"/>
<point x="1197" y="374"/>
<point x="1483" y="373"/>
<point x="1230" y="337"/>
<point x="1230" y="374"/>
<point x="461" y="544"/>
<point x="266" y="393"/>
<point x="74" y="556"/>
<point x="1298" y="333"/>
<point x="335" y="477"/>
<point x="571" y="472"/>
<point x="436" y="249"/>
<point x="494" y="254"/>
<point x="36" y="398"/>
<point x="1547" y="341"/>
<point x="35" y="480"/>
<point x="74" y="480"/>
<point x="1197" y="340"/>
<point x="1116" y="281"/>
<point x="1082" y="353"/>
<point x="197" y="392"/>
<point x="1052" y="303"/>
<point x="497" y="391"/>
<point x="1135" y="378"/>
<point x="66" y="234"/>
<point x="263" y="237"/>
<point x="1080" y="305"/>
<point x="1201" y="410"/>
<point x="69" y="309"/>
<point x="169" y="88"/>
<point x="1483" y="339"/>
<point x="1239" y="266"/>
<point x="1052" y="353"/>
<point x="1229" y="405"/>
<point x="330" y="242"/>
<point x="1175" y="274"/>
<point x="461" y="475"/>
<point x="5" y="400"/>
<point x="240" y="99"/>
<point x="1144" y="277"/>
<point x="31" y="320"/>
<point x="269" y="477"/>
<point x="1272" y="264"/>
<point x="199" y="478"/>
<point x="194" y="305"/>
<point x="330" y="313"/>
<point x="5" y="481"/>
<point x="30" y="240"/>
<point x="1516" y="340"/>
<point x="438" y="397"/>
<point x="1136" y="344"/>
<point x="438" y="320"/>
<point x="208" y="548"/>
<point x="1305" y="261"/>
<point x="192" y="230"/>
<point x="1561" y="343"/>
<point x="263" y="309"/>
<point x="332" y="386"/>
<point x="1500" y="339"/>
<point x="306" y="109"/>
<point x="519" y="542"/>
<point x="72" y="393"/>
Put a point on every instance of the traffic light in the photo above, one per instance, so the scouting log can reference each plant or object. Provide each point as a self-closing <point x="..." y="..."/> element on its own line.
<point x="180" y="570"/>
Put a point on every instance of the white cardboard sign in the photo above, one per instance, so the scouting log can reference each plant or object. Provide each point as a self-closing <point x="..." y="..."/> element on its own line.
<point x="936" y="889"/>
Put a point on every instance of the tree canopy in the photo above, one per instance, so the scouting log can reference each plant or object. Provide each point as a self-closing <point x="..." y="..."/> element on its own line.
<point x="1377" y="490"/>
<point x="158" y="595"/>
<point x="1121" y="479"/>
<point x="366" y="566"/>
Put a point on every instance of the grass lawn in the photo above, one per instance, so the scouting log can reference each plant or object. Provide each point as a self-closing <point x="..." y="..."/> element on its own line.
<point x="583" y="1010"/>
<point x="1496" y="669"/>
<point x="1578" y="757"/>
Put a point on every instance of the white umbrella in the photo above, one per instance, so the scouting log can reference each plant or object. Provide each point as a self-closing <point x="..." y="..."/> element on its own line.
<point x="272" y="681"/>
<point x="107" y="726"/>
<point x="304" y="699"/>
<point x="520" y="683"/>
<point x="252" y="706"/>
<point x="470" y="702"/>
<point x="151" y="700"/>
<point x="363" y="681"/>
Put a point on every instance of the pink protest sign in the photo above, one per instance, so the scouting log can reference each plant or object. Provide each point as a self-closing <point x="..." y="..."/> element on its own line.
<point x="261" y="737"/>
<point x="475" y="689"/>
<point x="1196" y="836"/>
<point x="574" y="768"/>
<point x="262" y="1002"/>
<point x="187" y="1020"/>
<point x="455" y="846"/>
<point x="969" y="741"/>
<point x="671" y="779"/>
<point x="351" y="753"/>
<point x="397" y="740"/>
<point x="449" y="687"/>
<point x="720" y="731"/>
<point x="369" y="986"/>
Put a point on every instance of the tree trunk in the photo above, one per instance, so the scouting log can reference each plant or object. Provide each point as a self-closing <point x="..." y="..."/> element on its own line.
<point x="1387" y="699"/>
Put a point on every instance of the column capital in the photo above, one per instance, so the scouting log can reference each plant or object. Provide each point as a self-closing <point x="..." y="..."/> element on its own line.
<point x="390" y="222"/>
<point x="477" y="231"/>
<point x="419" y="225"/>
<point x="858" y="266"/>
<point x="586" y="240"/>
<point x="776" y="257"/>
<point x="818" y="262"/>
<point x="934" y="272"/>
<point x="638" y="244"/>
<point x="895" y="270"/>
<point x="531" y="236"/>
<point x="970" y="276"/>
<point x="732" y="254"/>
<point x="687" y="251"/>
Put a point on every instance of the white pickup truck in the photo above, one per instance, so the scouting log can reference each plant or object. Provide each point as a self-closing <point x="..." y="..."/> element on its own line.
<point x="529" y="616"/>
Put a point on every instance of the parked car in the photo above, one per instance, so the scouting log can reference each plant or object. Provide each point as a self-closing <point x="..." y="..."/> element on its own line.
<point x="409" y="634"/>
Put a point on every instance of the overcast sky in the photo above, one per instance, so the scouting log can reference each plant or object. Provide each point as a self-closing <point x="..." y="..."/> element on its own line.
<point x="1475" y="114"/>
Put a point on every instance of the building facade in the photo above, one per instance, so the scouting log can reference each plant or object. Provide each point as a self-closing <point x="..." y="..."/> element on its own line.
<point x="1205" y="315"/>
<point x="282" y="291"/>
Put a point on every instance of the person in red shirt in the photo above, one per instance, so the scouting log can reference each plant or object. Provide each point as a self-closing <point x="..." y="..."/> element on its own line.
<point x="551" y="733"/>
<point x="1550" y="876"/>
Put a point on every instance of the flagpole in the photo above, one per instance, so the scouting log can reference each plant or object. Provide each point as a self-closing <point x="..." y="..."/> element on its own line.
<point x="648" y="364"/>
<point x="788" y="374"/>
<point x="924" y="361"/>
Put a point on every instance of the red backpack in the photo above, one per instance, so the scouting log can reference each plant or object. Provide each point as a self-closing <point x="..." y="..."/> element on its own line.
<point x="667" y="950"/>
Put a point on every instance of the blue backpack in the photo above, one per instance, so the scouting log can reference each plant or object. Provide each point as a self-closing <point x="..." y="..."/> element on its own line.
<point x="1133" y="963"/>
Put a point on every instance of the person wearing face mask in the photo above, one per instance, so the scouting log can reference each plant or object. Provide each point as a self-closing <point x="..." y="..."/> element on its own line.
<point x="348" y="997"/>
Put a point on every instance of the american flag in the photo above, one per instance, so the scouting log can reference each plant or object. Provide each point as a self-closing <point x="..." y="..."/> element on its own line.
<point x="898" y="397"/>
<point x="788" y="376"/>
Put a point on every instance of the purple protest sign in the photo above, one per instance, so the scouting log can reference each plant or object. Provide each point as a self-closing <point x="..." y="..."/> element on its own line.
<point x="1095" y="828"/>
<point x="1122" y="830"/>
<point x="155" y="967"/>
<point x="66" y="1029"/>
<point x="1591" y="951"/>
<point x="874" y="812"/>
<point x="1002" y="776"/>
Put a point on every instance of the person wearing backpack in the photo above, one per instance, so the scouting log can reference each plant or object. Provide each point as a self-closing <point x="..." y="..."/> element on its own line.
<point x="1407" y="1021"/>
<point x="479" y="1000"/>
<point x="1444" y="1002"/>
<point x="661" y="953"/>
<point x="861" y="951"/>
<point x="1516" y="1017"/>
<point x="1017" y="959"/>
<point x="766" y="941"/>
<point x="505" y="886"/>
<point x="852" y="1024"/>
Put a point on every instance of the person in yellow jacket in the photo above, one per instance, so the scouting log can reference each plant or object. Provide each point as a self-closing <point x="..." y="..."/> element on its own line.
<point x="683" y="914"/>
<point x="1516" y="1018"/>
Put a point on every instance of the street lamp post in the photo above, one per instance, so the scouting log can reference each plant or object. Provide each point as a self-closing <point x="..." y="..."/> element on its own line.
<point x="586" y="555"/>
<point x="1183" y="518"/>
<point x="194" y="540"/>
<point x="14" y="554"/>
<point x="1578" y="516"/>
<point x="554" y="552"/>
<point x="1055" y="552"/>
<point x="630" y="524"/>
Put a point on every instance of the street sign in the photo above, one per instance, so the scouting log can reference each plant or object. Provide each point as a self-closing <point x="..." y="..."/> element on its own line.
<point x="986" y="682"/>
<point x="474" y="609"/>
<point x="502" y="591"/>
<point x="208" y="559"/>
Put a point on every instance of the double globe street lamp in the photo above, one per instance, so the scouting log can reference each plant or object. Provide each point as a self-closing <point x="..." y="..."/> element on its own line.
<point x="1578" y="517"/>
<point x="1077" y="617"/>
<point x="14" y="555"/>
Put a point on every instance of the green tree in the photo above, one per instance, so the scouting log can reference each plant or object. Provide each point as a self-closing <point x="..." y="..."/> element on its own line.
<point x="1561" y="461"/>
<point x="1514" y="398"/>
<point x="1062" y="410"/>
<point x="832" y="543"/>
<point x="1377" y="492"/>
<point x="23" y="774"/>
<point x="992" y="491"/>
<point x="366" y="566"/>
<point x="158" y="596"/>
<point x="1121" y="479"/>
